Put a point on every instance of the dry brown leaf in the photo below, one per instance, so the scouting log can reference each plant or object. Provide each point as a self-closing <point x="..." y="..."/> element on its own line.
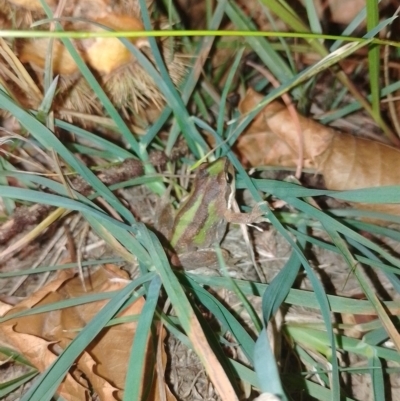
<point x="41" y="337"/>
<point x="4" y="308"/>
<point x="40" y="353"/>
<point x="346" y="162"/>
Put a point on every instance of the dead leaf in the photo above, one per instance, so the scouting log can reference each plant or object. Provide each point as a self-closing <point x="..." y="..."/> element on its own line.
<point x="38" y="351"/>
<point x="346" y="162"/>
<point x="102" y="367"/>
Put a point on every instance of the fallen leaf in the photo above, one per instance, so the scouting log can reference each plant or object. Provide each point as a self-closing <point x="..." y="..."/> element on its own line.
<point x="102" y="367"/>
<point x="346" y="161"/>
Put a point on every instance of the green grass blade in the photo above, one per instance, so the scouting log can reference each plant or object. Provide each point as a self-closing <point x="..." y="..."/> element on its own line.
<point x="118" y="152"/>
<point x="370" y="259"/>
<point x="8" y="387"/>
<point x="98" y="90"/>
<point x="58" y="201"/>
<point x="201" y="53"/>
<point x="134" y="381"/>
<point x="374" y="58"/>
<point x="313" y="19"/>
<point x="313" y="338"/>
<point x="367" y="289"/>
<point x="280" y="286"/>
<point x="13" y="355"/>
<point x="166" y="86"/>
<point x="68" y="303"/>
<point x="45" y="269"/>
<point x="261" y="46"/>
<point x="358" y="19"/>
<point x="47" y="101"/>
<point x="328" y="221"/>
<point x="225" y="92"/>
<point x="354" y="106"/>
<point x="292" y="20"/>
<point x="265" y="367"/>
<point x="310" y="388"/>
<point x="303" y="298"/>
<point x="9" y="204"/>
<point x="390" y="273"/>
<point x="378" y="382"/>
<point x="49" y="141"/>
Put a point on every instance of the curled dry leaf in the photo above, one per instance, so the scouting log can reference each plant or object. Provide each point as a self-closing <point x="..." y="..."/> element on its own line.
<point x="102" y="366"/>
<point x="346" y="162"/>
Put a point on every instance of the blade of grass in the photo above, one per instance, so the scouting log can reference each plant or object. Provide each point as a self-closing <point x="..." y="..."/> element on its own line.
<point x="49" y="141"/>
<point x="105" y="101"/>
<point x="166" y="86"/>
<point x="311" y="337"/>
<point x="9" y="204"/>
<point x="374" y="59"/>
<point x="45" y="269"/>
<point x="302" y="298"/>
<point x="373" y="260"/>
<point x="310" y="388"/>
<point x="280" y="286"/>
<point x="225" y="92"/>
<point x="261" y="46"/>
<point x="266" y="368"/>
<point x="135" y="381"/>
<point x="358" y="19"/>
<point x="117" y="228"/>
<point x="312" y="15"/>
<point x="47" y="101"/>
<point x="116" y="150"/>
<point x="12" y="385"/>
<point x="199" y="56"/>
<point x="69" y="303"/>
<point x="354" y="106"/>
<point x="378" y="382"/>
<point x="328" y="221"/>
<point x="364" y="284"/>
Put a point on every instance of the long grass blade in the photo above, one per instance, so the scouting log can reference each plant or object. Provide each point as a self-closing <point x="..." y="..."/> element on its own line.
<point x="134" y="381"/>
